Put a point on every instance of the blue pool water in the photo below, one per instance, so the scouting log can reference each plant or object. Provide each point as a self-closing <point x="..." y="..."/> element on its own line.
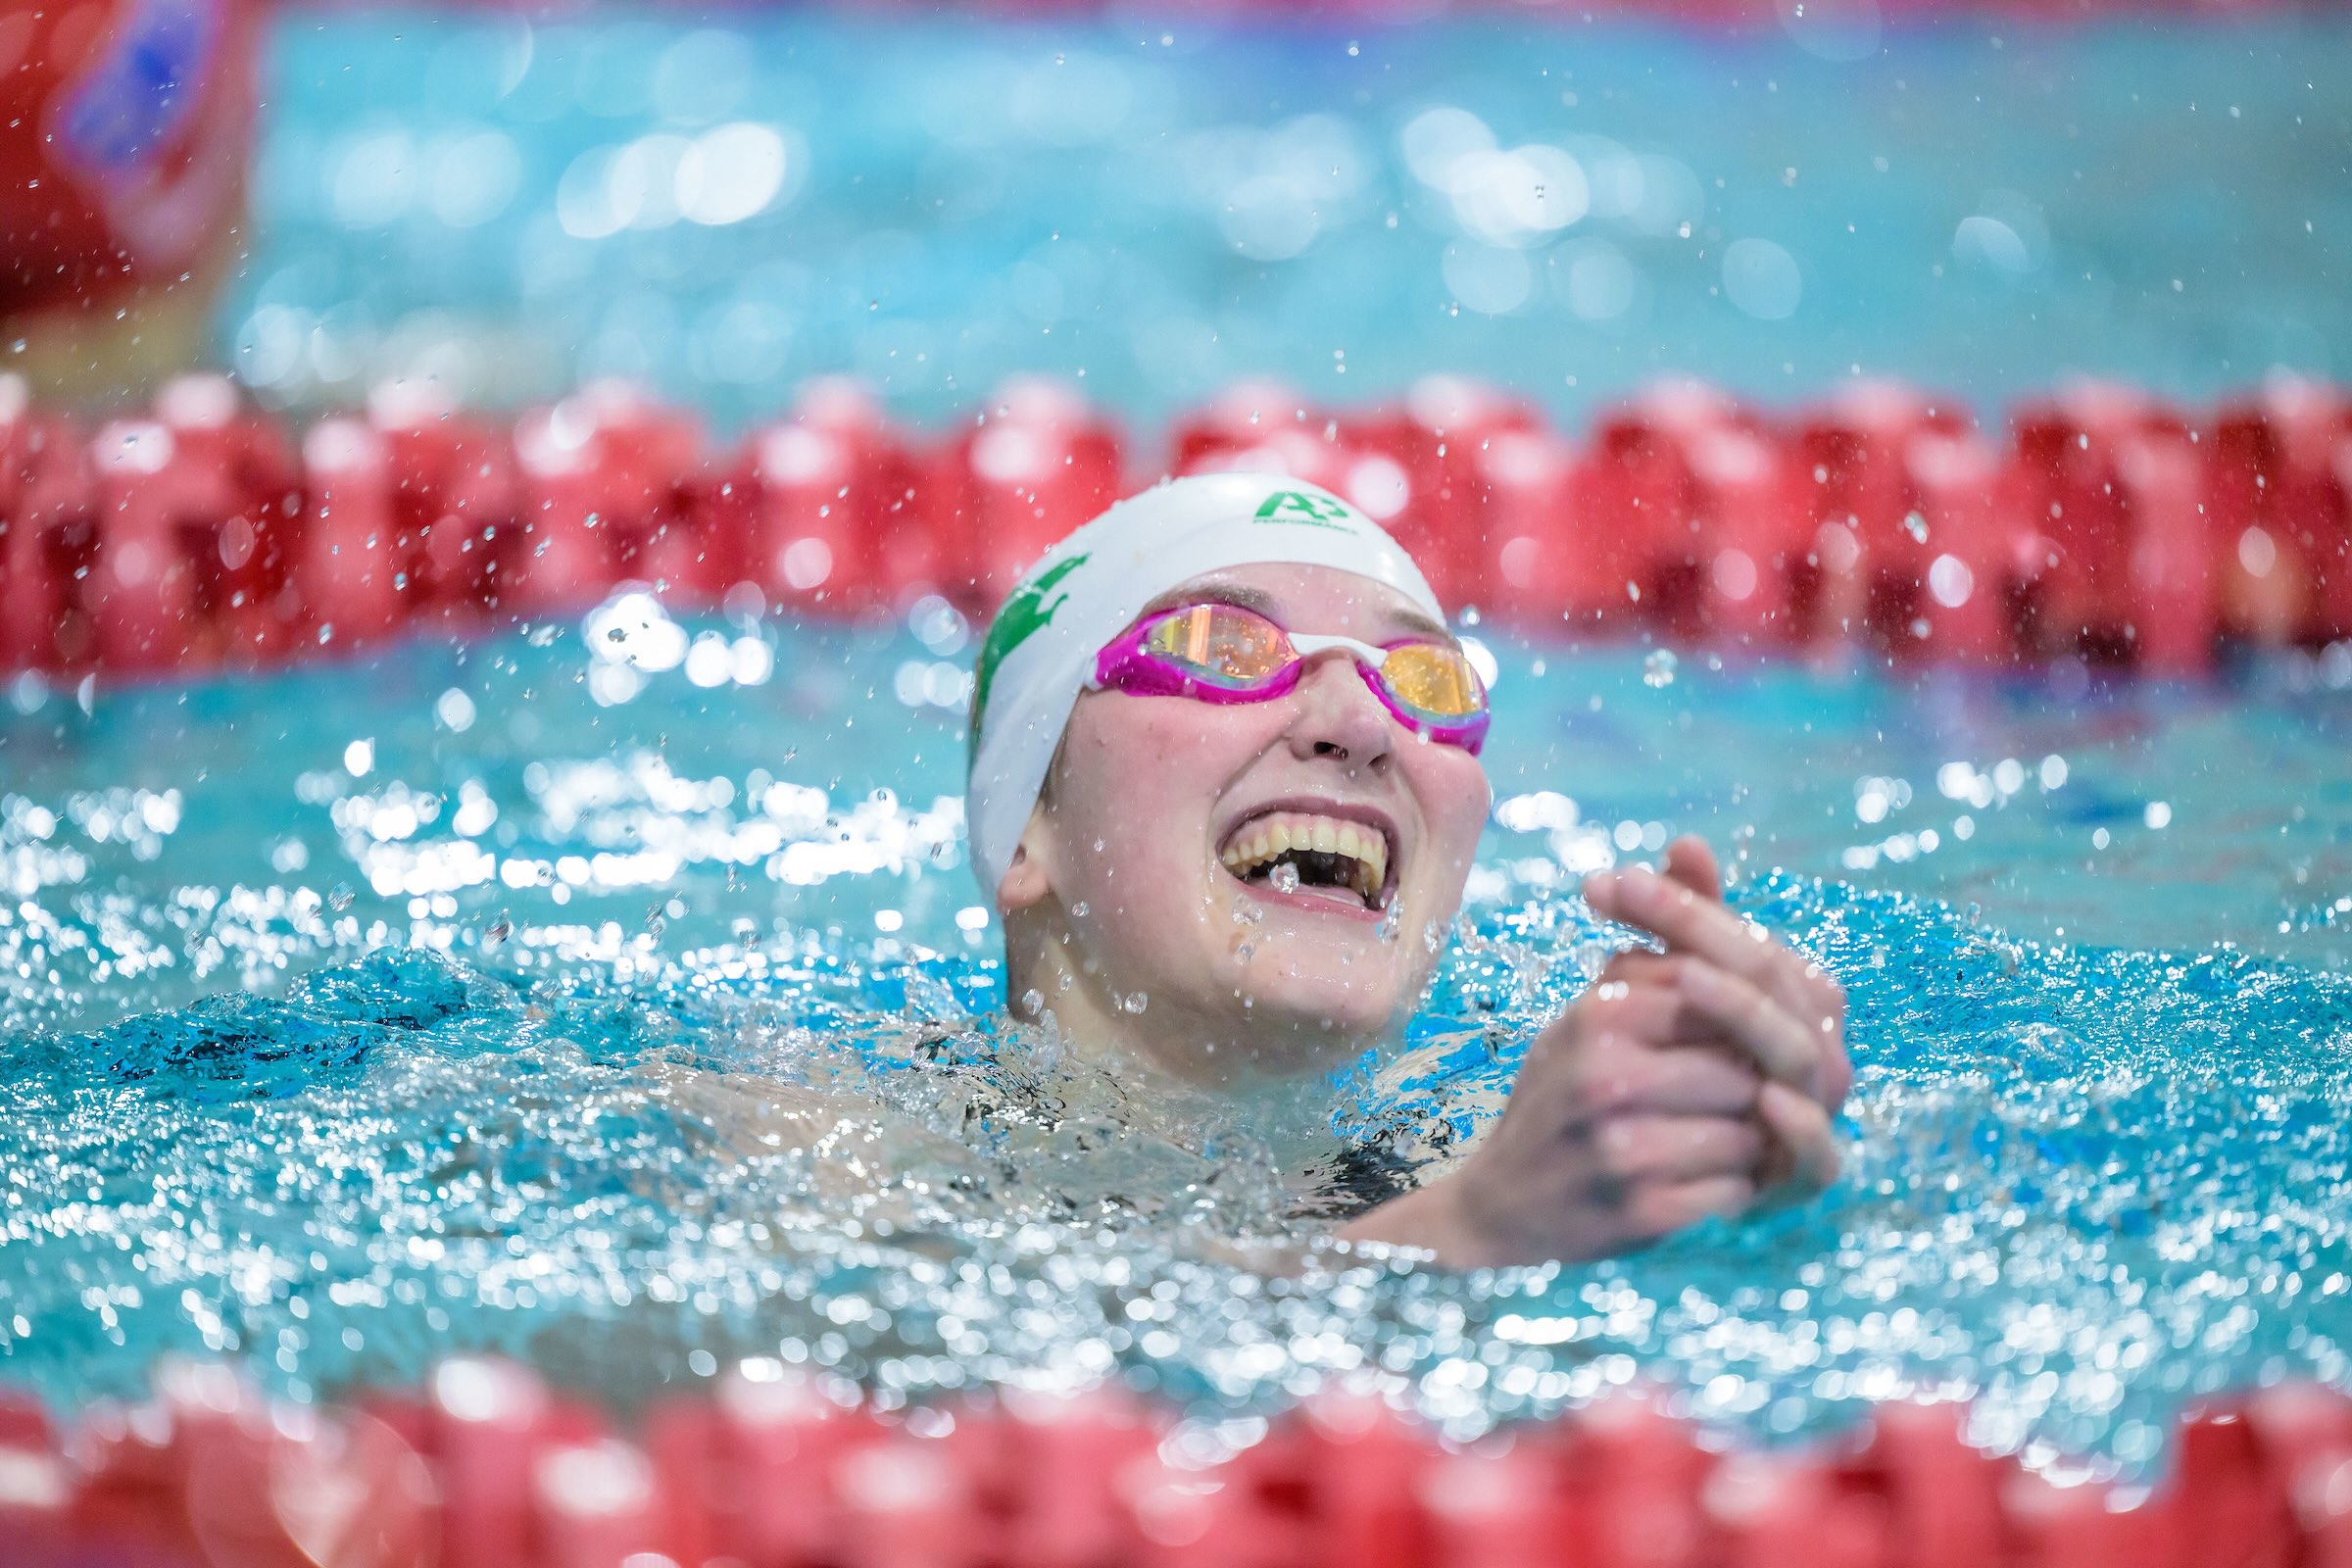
<point x="627" y="1004"/>
<point x="722" y="206"/>
<point x="635" y="1017"/>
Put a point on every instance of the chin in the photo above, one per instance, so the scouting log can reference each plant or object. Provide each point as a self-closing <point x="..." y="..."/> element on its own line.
<point x="1311" y="1010"/>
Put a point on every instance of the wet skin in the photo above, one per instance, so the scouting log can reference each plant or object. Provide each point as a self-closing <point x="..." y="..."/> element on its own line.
<point x="1118" y="888"/>
<point x="1696" y="1081"/>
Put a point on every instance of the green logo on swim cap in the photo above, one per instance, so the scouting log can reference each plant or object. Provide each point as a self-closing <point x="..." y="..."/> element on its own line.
<point x="1316" y="512"/>
<point x="1023" y="614"/>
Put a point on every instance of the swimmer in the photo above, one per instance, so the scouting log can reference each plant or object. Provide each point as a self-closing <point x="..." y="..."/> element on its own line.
<point x="1225" y="790"/>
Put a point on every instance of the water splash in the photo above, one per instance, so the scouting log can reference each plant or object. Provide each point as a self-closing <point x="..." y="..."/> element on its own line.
<point x="2085" y="1182"/>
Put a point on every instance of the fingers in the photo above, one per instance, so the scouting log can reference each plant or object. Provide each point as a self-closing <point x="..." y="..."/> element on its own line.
<point x="1680" y="1082"/>
<point x="1675" y="1149"/>
<point x="1690" y="861"/>
<point x="1659" y="1210"/>
<point x="1678" y="917"/>
<point x="1805" y="1156"/>
<point x="1657" y="1009"/>
<point x="1782" y="1047"/>
<point x="1708" y="1005"/>
<point x="1705" y="928"/>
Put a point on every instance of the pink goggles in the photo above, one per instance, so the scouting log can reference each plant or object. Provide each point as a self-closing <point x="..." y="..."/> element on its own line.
<point x="1220" y="652"/>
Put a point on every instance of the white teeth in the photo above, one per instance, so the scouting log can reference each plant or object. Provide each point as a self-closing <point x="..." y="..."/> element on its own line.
<point x="1283" y="832"/>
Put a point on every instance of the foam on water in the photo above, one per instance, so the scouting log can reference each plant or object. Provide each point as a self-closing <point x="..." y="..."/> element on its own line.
<point x="634" y="1025"/>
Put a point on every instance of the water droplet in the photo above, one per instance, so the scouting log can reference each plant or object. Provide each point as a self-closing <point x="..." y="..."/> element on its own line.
<point x="1136" y="1003"/>
<point x="1658" y="671"/>
<point x="1284" y="878"/>
<point x="339" y="896"/>
<point x="1079" y="909"/>
<point x="1392" y="922"/>
<point x="1033" y="1001"/>
<point x="1916" y="527"/>
<point x="499" y="929"/>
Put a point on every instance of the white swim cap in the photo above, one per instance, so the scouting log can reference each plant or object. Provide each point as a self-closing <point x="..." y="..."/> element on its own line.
<point x="1039" y="650"/>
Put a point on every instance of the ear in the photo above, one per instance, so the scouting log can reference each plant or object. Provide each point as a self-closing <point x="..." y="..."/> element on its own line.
<point x="1025" y="882"/>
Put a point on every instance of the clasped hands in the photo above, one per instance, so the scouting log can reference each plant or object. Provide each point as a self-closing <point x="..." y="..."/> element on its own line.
<point x="1698" y="1081"/>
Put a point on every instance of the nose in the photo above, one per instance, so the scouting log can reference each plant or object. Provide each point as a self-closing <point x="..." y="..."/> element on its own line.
<point x="1339" y="719"/>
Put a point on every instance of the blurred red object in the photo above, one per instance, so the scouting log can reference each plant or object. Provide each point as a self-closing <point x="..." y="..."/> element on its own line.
<point x="1045" y="1470"/>
<point x="488" y="1422"/>
<point x="1942" y="1495"/>
<point x="314" y="1490"/>
<point x="778" y="1471"/>
<point x="1418" y="473"/>
<point x="1974" y="553"/>
<point x="1040" y="462"/>
<point x="193" y="513"/>
<point x="1640" y="1472"/>
<point x="609" y="480"/>
<point x="141" y="590"/>
<point x="906" y="1505"/>
<point x="2227" y="1502"/>
<point x="124" y="127"/>
<point x="598" y="1505"/>
<point x="2111" y="529"/>
<point x="348" y="568"/>
<point x="2281" y="490"/>
<point x="48" y="534"/>
<point x="1690" y="503"/>
<point x="1495" y="1505"/>
<point x="240" y="516"/>
<point x="1366" y="1459"/>
<point x="2086" y="1525"/>
<point x="1542" y="567"/>
<point x="1777" y="1512"/>
<point x="1870" y="544"/>
<point x="2106" y="478"/>
<point x="37" y="1488"/>
<point x="750" y="1472"/>
<point x="454" y="490"/>
<point x="823" y="507"/>
<point x="1262" y="427"/>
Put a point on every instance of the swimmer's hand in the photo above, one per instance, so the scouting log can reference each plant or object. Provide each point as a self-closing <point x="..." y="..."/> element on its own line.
<point x="1696" y="1082"/>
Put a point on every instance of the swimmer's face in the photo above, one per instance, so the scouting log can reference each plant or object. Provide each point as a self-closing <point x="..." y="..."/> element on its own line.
<point x="1154" y="868"/>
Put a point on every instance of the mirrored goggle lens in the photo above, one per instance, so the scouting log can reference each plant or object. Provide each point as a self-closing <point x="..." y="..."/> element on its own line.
<point x="1222" y="643"/>
<point x="1434" y="679"/>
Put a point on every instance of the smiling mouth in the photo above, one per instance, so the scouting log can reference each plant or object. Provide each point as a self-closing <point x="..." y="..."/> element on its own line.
<point x="1330" y="857"/>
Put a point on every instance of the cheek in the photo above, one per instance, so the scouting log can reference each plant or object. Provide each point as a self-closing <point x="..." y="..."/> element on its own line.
<point x="1142" y="776"/>
<point x="1451" y="788"/>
